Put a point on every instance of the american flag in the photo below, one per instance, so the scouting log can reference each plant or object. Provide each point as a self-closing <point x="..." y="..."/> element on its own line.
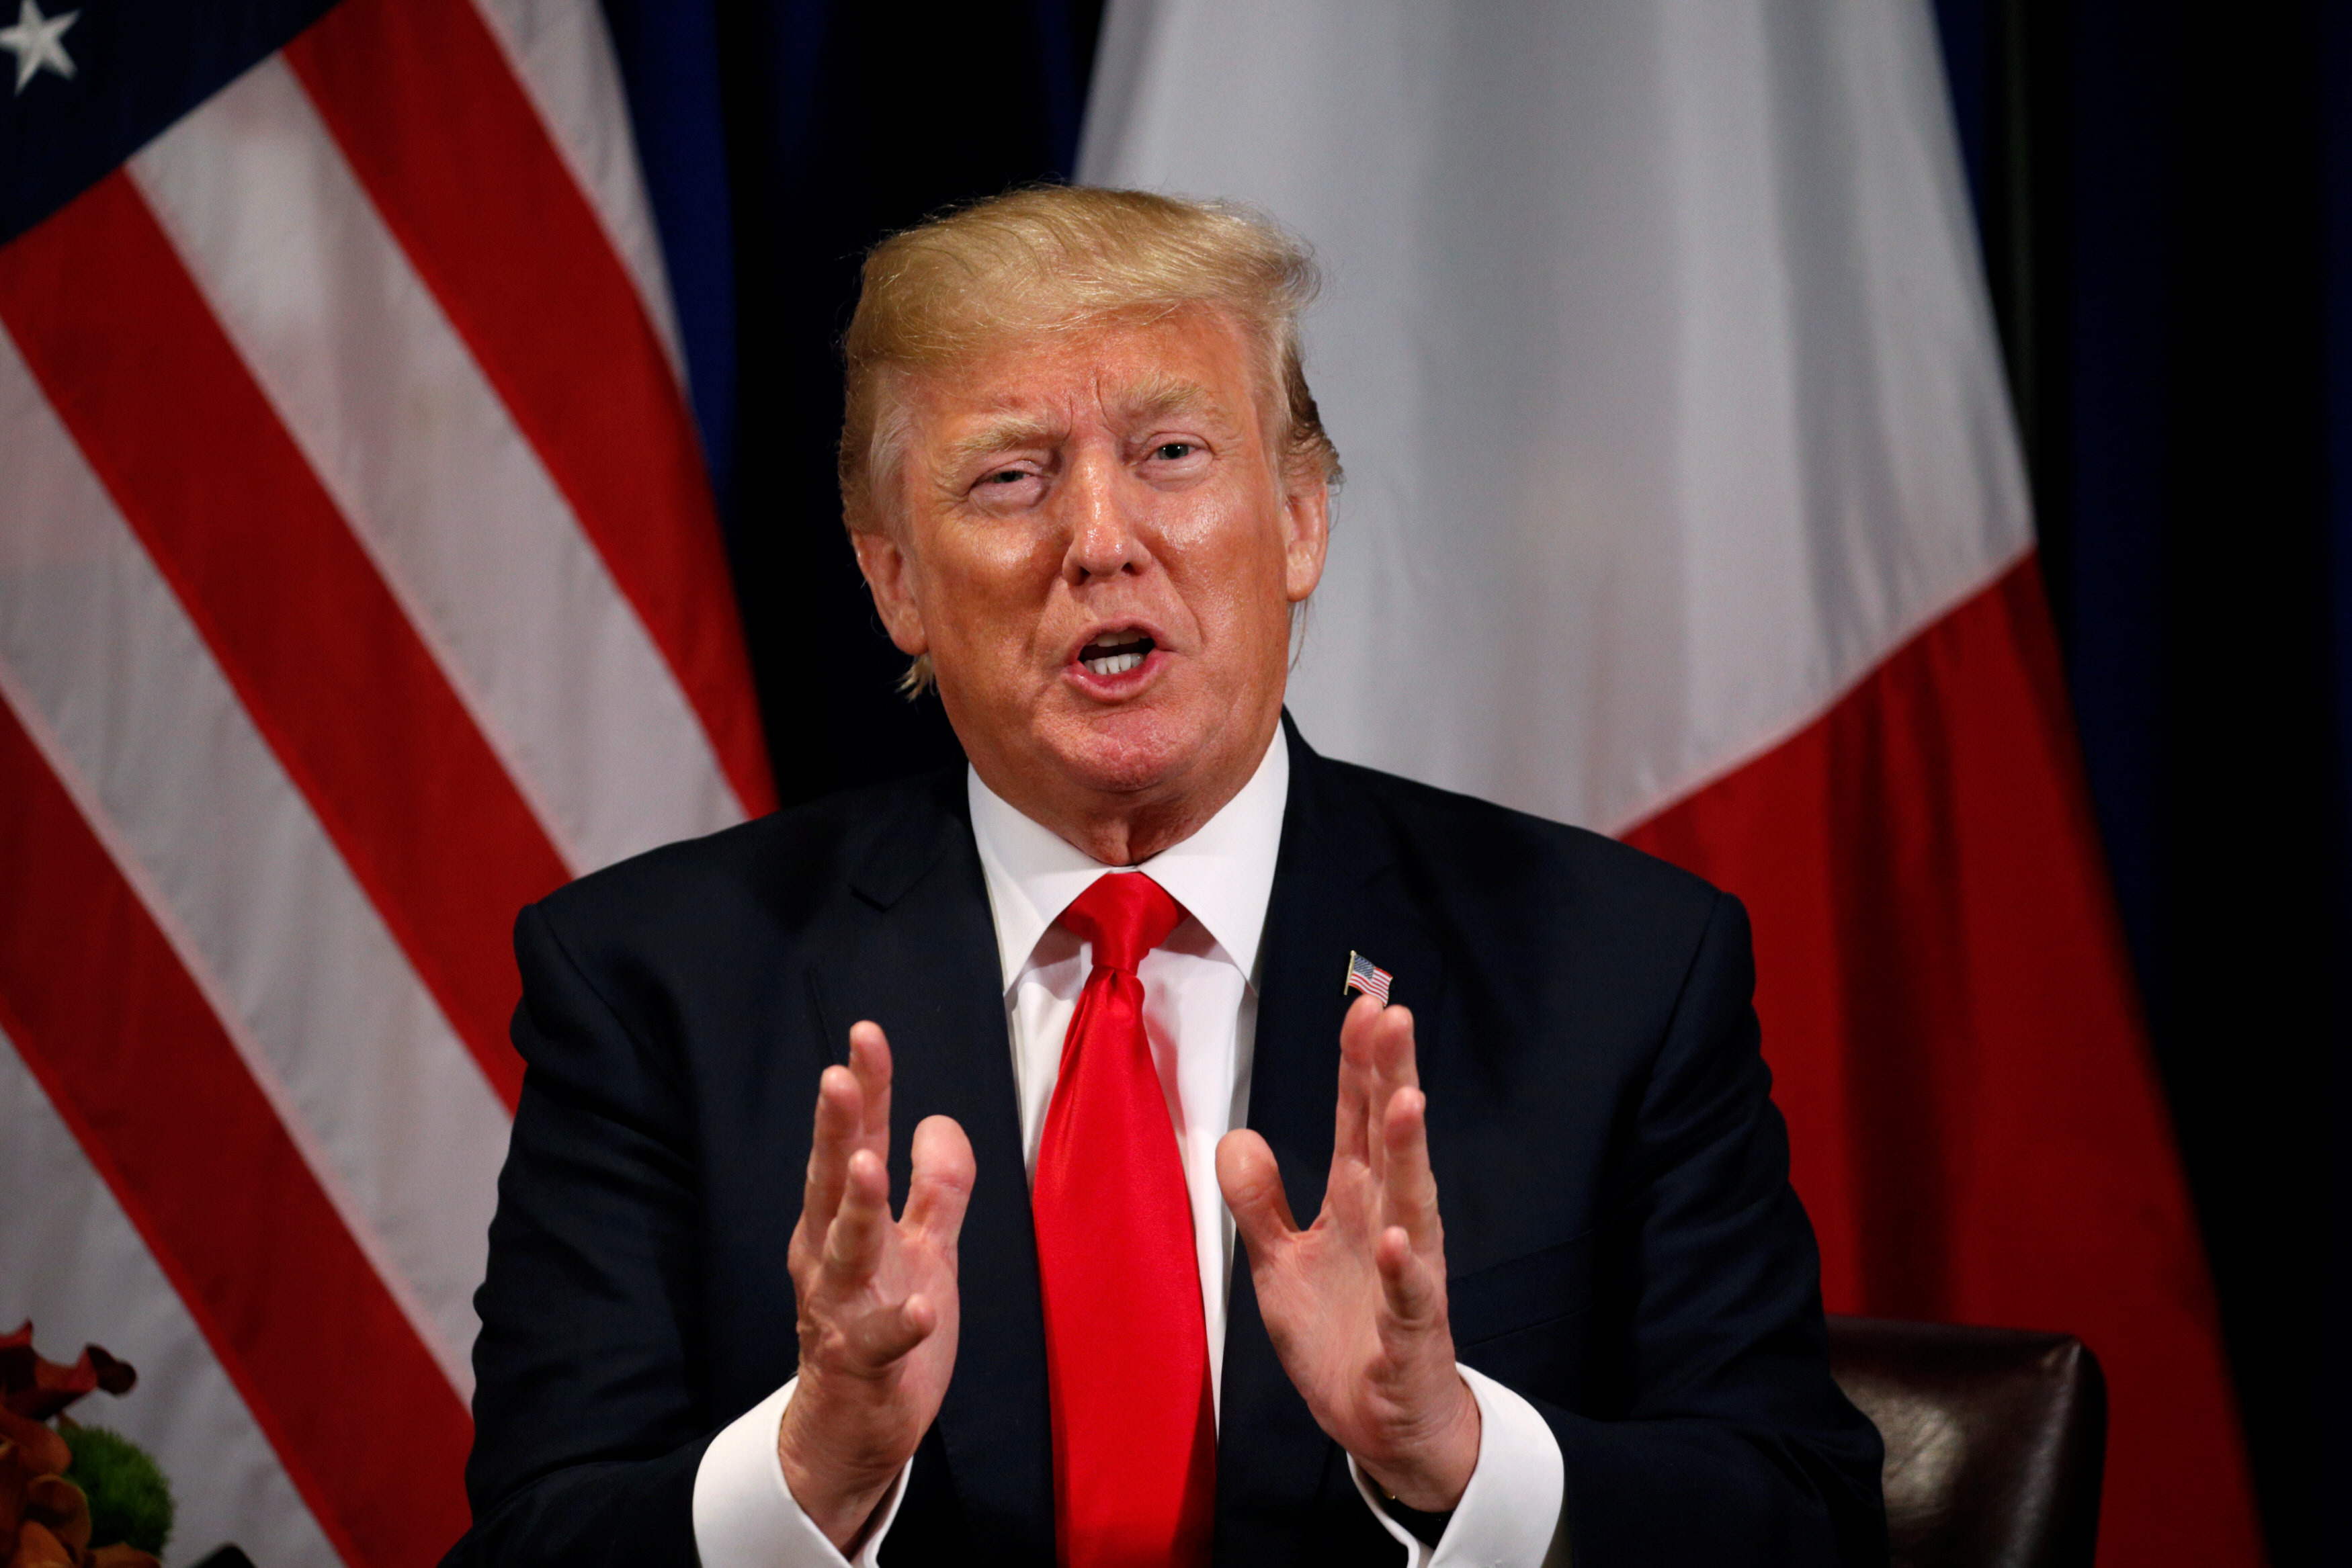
<point x="1369" y="978"/>
<point x="359" y="582"/>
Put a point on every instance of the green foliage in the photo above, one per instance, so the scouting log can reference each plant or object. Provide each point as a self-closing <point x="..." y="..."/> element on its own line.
<point x="129" y="1499"/>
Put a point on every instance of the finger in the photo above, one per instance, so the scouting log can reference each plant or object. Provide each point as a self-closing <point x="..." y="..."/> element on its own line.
<point x="1391" y="1051"/>
<point x="1251" y="1183"/>
<point x="1412" y="1292"/>
<point x="869" y="1058"/>
<point x="853" y="1247"/>
<point x="1351" y="1126"/>
<point x="838" y="1115"/>
<point x="940" y="1187"/>
<point x="1392" y="1047"/>
<point x="1408" y="1189"/>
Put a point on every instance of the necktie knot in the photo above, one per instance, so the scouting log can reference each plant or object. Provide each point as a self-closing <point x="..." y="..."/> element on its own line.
<point x="1124" y="914"/>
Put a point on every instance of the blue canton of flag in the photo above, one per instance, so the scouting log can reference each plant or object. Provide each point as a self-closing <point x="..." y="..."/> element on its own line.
<point x="1369" y="978"/>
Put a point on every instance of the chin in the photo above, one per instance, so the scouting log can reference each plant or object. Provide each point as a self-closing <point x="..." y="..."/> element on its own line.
<point x="1132" y="753"/>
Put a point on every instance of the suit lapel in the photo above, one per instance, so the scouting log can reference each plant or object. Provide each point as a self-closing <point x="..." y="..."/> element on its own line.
<point x="924" y="966"/>
<point x="1337" y="888"/>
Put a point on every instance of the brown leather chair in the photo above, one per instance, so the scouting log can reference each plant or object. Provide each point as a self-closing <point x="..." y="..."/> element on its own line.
<point x="1996" y="1439"/>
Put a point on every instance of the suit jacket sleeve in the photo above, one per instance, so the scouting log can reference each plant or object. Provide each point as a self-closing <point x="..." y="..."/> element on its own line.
<point x="1733" y="1444"/>
<point x="588" y="1430"/>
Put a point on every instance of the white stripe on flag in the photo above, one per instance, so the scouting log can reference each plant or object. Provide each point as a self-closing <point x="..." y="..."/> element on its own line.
<point x="449" y="499"/>
<point x="71" y="1261"/>
<point x="1657" y="349"/>
<point x="563" y="53"/>
<point x="389" y="1108"/>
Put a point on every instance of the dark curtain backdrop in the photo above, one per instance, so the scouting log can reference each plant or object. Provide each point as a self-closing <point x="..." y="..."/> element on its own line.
<point x="780" y="137"/>
<point x="2166" y="197"/>
<point x="2165" y="194"/>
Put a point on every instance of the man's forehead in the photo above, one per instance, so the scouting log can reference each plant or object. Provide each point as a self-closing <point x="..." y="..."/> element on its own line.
<point x="1179" y="358"/>
<point x="1134" y="390"/>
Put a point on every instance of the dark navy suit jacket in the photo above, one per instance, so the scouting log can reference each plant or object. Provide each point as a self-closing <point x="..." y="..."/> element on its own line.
<point x="1623" y="1246"/>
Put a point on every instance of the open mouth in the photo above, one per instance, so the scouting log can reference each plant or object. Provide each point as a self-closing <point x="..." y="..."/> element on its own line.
<point x="1115" y="653"/>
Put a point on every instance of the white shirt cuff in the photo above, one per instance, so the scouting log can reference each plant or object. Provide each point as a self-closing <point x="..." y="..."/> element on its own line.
<point x="744" y="1514"/>
<point x="1509" y="1514"/>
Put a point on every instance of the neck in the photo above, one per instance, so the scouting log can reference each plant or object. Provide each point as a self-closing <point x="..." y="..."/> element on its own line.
<point x="1119" y="828"/>
<point x="1133" y="837"/>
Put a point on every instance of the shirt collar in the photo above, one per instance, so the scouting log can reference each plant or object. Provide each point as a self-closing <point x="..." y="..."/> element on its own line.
<point x="1223" y="875"/>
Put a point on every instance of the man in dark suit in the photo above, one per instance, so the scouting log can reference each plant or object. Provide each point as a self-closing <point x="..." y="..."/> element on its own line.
<point x="1092" y="990"/>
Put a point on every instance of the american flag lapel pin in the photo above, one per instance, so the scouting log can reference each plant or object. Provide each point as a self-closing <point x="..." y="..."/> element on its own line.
<point x="1369" y="978"/>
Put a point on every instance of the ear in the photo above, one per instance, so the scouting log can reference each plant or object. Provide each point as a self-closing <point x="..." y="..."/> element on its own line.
<point x="890" y="577"/>
<point x="1305" y="536"/>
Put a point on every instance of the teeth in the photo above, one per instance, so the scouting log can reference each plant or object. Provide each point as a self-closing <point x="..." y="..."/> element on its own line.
<point x="1114" y="664"/>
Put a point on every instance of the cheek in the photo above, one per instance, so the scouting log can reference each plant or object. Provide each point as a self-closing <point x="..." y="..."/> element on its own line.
<point x="985" y="589"/>
<point x="1237" y="587"/>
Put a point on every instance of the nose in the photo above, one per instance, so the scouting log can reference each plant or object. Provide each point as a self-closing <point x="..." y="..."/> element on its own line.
<point x="1105" y="541"/>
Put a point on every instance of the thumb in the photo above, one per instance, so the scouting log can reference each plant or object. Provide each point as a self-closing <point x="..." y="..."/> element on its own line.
<point x="1251" y="1183"/>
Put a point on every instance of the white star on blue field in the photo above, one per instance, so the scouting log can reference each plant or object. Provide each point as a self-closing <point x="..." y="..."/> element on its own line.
<point x="38" y="43"/>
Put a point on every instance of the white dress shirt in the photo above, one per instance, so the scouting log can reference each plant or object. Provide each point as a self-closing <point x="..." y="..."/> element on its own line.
<point x="1200" y="1015"/>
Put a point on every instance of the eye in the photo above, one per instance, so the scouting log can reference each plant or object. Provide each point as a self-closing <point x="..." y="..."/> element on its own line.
<point x="1174" y="451"/>
<point x="1008" y="486"/>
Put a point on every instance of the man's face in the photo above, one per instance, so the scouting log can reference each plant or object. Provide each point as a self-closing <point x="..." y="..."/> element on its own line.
<point x="1093" y="543"/>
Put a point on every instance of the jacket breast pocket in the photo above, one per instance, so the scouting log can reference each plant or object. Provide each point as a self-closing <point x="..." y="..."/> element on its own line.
<point x="1521" y="1321"/>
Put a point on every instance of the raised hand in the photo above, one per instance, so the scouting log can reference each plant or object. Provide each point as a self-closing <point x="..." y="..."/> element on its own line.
<point x="1355" y="1302"/>
<point x="878" y="1308"/>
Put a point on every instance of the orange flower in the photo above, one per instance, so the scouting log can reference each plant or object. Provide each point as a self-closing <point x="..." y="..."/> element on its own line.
<point x="32" y="1385"/>
<point x="44" y="1518"/>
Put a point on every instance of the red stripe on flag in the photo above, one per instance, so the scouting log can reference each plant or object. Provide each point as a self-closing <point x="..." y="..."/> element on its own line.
<point x="331" y="669"/>
<point x="123" y="1044"/>
<point x="1950" y="1017"/>
<point x="420" y="97"/>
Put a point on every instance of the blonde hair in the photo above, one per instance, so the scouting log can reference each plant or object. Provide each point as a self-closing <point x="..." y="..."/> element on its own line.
<point x="1053" y="257"/>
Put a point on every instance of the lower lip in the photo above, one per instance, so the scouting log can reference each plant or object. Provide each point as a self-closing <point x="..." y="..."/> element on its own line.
<point x="1113" y="688"/>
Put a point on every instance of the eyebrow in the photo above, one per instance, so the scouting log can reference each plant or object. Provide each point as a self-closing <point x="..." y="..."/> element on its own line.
<point x="1163" y="395"/>
<point x="997" y="436"/>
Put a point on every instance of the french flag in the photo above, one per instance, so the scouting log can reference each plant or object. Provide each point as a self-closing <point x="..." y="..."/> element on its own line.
<point x="1684" y="502"/>
<point x="359" y="582"/>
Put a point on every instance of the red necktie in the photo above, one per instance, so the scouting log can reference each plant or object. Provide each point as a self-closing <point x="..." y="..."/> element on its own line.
<point x="1126" y="1354"/>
